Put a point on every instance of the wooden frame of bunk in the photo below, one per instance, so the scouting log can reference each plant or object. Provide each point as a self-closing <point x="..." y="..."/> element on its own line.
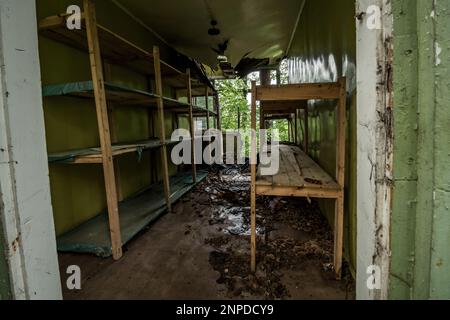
<point x="299" y="175"/>
<point x="105" y="46"/>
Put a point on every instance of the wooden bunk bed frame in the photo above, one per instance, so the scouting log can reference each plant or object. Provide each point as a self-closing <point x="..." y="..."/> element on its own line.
<point x="103" y="45"/>
<point x="299" y="175"/>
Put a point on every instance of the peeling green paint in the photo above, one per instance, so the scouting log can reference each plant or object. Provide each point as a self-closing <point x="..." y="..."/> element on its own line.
<point x="420" y="237"/>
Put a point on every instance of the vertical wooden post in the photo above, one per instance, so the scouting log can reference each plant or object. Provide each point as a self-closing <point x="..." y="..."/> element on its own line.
<point x="289" y="129"/>
<point x="296" y="127"/>
<point x="262" y="121"/>
<point x="341" y="134"/>
<point x="103" y="127"/>
<point x="338" y="235"/>
<point x="159" y="92"/>
<point x="253" y="177"/>
<point x="219" y="120"/>
<point x="207" y="107"/>
<point x="191" y="125"/>
<point x="306" y="136"/>
<point x="340" y="177"/>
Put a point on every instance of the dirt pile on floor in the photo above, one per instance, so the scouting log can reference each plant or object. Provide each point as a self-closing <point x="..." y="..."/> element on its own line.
<point x="292" y="234"/>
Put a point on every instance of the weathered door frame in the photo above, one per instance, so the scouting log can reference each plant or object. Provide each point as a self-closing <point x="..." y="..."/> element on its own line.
<point x="374" y="25"/>
<point x="375" y="158"/>
<point x="25" y="206"/>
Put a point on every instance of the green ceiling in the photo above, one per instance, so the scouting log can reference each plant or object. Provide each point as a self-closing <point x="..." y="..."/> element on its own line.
<point x="255" y="28"/>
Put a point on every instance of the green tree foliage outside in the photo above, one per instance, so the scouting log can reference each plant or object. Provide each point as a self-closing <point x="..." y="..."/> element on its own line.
<point x="235" y="109"/>
<point x="235" y="103"/>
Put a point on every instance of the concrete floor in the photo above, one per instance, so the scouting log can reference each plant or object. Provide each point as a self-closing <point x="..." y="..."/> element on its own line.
<point x="173" y="259"/>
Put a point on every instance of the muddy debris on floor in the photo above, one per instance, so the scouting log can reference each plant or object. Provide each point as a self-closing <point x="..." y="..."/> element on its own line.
<point x="292" y="233"/>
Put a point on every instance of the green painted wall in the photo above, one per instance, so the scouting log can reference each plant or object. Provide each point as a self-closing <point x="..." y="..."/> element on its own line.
<point x="420" y="237"/>
<point x="78" y="191"/>
<point x="324" y="49"/>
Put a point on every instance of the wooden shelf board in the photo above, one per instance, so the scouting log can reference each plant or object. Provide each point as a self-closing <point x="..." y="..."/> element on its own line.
<point x="115" y="48"/>
<point x="117" y="94"/>
<point x="298" y="92"/>
<point x="114" y="93"/>
<point x="298" y="171"/>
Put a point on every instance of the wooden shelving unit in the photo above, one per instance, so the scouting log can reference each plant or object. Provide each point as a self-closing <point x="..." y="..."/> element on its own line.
<point x="299" y="175"/>
<point x="105" y="46"/>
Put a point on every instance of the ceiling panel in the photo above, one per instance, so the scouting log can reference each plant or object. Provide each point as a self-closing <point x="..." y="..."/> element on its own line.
<point x="254" y="28"/>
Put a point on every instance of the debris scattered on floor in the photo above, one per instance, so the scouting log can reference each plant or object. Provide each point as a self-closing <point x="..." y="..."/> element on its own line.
<point x="291" y="232"/>
<point x="202" y="250"/>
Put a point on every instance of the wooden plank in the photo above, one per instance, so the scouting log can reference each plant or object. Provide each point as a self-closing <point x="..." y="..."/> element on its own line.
<point x="296" y="127"/>
<point x="191" y="125"/>
<point x="162" y="131"/>
<point x="284" y="105"/>
<point x="313" y="175"/>
<point x="289" y="129"/>
<point x="103" y="126"/>
<point x="293" y="170"/>
<point x="207" y="107"/>
<point x="306" y="133"/>
<point x="341" y="134"/>
<point x="338" y="235"/>
<point x="217" y="108"/>
<point x="340" y="177"/>
<point x="113" y="46"/>
<point x="279" y="117"/>
<point x="97" y="159"/>
<point x="299" y="92"/>
<point x="59" y="20"/>
<point x="272" y="113"/>
<point x="299" y="171"/>
<point x="253" y="179"/>
<point x="282" y="177"/>
<point x="262" y="121"/>
<point x="280" y="191"/>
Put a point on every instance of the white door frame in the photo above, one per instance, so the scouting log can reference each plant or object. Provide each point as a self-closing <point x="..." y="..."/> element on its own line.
<point x="25" y="205"/>
<point x="375" y="146"/>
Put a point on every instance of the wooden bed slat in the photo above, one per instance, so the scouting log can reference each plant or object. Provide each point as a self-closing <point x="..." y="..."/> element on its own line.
<point x="298" y="92"/>
<point x="297" y="170"/>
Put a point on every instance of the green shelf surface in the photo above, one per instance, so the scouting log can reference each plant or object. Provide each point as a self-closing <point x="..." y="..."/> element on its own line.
<point x="135" y="214"/>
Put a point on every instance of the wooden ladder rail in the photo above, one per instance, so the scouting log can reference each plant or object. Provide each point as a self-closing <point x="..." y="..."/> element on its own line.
<point x="217" y="108"/>
<point x="340" y="168"/>
<point x="207" y="107"/>
<point x="162" y="127"/>
<point x="95" y="58"/>
<point x="340" y="177"/>
<point x="253" y="157"/>
<point x="191" y="125"/>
